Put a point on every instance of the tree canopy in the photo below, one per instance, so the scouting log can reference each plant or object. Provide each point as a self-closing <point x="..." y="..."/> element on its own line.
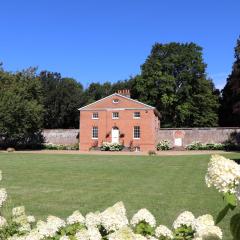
<point x="230" y="102"/>
<point x="61" y="99"/>
<point x="21" y="109"/>
<point x="173" y="79"/>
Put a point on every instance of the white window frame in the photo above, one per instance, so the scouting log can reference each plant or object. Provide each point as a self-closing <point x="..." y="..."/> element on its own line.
<point x="115" y="100"/>
<point x="114" y="117"/>
<point x="135" y="116"/>
<point x="95" y="131"/>
<point x="138" y="133"/>
<point x="95" y="117"/>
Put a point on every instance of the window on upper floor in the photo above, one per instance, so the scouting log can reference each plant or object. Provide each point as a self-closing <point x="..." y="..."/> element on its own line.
<point x="95" y="132"/>
<point x="115" y="100"/>
<point x="136" y="132"/>
<point x="136" y="115"/>
<point x="115" y="115"/>
<point x="95" y="115"/>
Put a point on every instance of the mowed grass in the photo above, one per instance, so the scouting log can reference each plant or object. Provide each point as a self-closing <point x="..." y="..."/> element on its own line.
<point x="59" y="184"/>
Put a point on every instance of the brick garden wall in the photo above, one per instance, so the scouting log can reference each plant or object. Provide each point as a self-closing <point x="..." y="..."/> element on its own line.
<point x="204" y="135"/>
<point x="61" y="136"/>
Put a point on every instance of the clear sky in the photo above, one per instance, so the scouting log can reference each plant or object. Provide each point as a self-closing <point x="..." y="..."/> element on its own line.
<point x="108" y="40"/>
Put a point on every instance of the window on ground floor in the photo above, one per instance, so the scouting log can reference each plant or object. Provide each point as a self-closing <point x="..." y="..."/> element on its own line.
<point x="95" y="132"/>
<point x="136" y="132"/>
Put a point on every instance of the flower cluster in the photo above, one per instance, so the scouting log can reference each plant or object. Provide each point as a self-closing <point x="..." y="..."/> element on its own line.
<point x="143" y="215"/>
<point x="107" y="146"/>
<point x="224" y="175"/>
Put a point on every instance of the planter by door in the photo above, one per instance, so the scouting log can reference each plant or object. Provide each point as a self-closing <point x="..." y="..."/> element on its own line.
<point x="115" y="135"/>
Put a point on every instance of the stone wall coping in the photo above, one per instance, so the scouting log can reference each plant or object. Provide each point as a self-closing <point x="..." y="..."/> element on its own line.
<point x="203" y="128"/>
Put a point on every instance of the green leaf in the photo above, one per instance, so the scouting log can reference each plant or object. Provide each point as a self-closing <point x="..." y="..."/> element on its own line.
<point x="231" y="200"/>
<point x="222" y="214"/>
<point x="235" y="226"/>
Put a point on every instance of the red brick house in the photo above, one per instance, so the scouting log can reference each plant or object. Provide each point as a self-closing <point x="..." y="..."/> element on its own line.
<point x="119" y="119"/>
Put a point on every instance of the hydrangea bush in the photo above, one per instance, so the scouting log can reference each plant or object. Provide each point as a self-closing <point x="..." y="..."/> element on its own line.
<point x="107" y="146"/>
<point x="163" y="145"/>
<point x="205" y="146"/>
<point x="111" y="224"/>
<point x="224" y="175"/>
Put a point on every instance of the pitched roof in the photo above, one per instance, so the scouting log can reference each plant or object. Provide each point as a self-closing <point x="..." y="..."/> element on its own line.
<point x="119" y="95"/>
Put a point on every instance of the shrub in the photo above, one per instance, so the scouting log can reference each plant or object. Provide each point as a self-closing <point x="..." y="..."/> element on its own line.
<point x="52" y="146"/>
<point x="151" y="153"/>
<point x="206" y="146"/>
<point x="106" y="146"/>
<point x="224" y="174"/>
<point x="163" y="145"/>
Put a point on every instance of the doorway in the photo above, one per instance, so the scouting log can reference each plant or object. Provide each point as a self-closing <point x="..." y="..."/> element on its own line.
<point x="115" y="135"/>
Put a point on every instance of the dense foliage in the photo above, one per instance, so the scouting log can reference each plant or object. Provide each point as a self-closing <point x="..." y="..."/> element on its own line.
<point x="174" y="75"/>
<point x="61" y="99"/>
<point x="21" y="108"/>
<point x="230" y="102"/>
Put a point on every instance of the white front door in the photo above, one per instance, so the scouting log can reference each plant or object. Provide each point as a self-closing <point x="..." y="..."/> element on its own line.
<point x="115" y="135"/>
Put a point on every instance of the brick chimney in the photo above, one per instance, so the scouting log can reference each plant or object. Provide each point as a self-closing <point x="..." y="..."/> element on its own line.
<point x="124" y="92"/>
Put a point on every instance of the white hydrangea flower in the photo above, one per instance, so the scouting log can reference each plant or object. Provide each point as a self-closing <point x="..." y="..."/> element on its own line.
<point x="125" y="233"/>
<point x="33" y="235"/>
<point x="51" y="227"/>
<point x="141" y="237"/>
<point x="88" y="234"/>
<point x="223" y="174"/>
<point x="93" y="219"/>
<point x="94" y="233"/>
<point x="76" y="217"/>
<point x="64" y="238"/>
<point x="208" y="232"/>
<point x="82" y="235"/>
<point x="25" y="227"/>
<point x="18" y="211"/>
<point x="163" y="231"/>
<point x="31" y="219"/>
<point x="114" y="218"/>
<point x="206" y="219"/>
<point x="3" y="196"/>
<point x="23" y="222"/>
<point x="3" y="222"/>
<point x="151" y="238"/>
<point x="143" y="215"/>
<point x="186" y="218"/>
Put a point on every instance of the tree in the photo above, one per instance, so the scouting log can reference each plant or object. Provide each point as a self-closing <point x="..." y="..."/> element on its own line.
<point x="21" y="109"/>
<point x="230" y="102"/>
<point x="173" y="79"/>
<point x="96" y="91"/>
<point x="62" y="98"/>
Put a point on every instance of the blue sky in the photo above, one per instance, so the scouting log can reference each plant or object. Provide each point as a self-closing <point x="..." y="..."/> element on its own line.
<point x="108" y="40"/>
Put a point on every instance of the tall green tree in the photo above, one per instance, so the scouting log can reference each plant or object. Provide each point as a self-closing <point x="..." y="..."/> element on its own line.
<point x="21" y="109"/>
<point x="230" y="102"/>
<point x="173" y="79"/>
<point x="62" y="98"/>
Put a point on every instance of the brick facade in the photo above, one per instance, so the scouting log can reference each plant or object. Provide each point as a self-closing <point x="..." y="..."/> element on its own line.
<point x="99" y="115"/>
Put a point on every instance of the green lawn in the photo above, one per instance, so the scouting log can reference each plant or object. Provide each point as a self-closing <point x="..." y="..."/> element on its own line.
<point x="59" y="184"/>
